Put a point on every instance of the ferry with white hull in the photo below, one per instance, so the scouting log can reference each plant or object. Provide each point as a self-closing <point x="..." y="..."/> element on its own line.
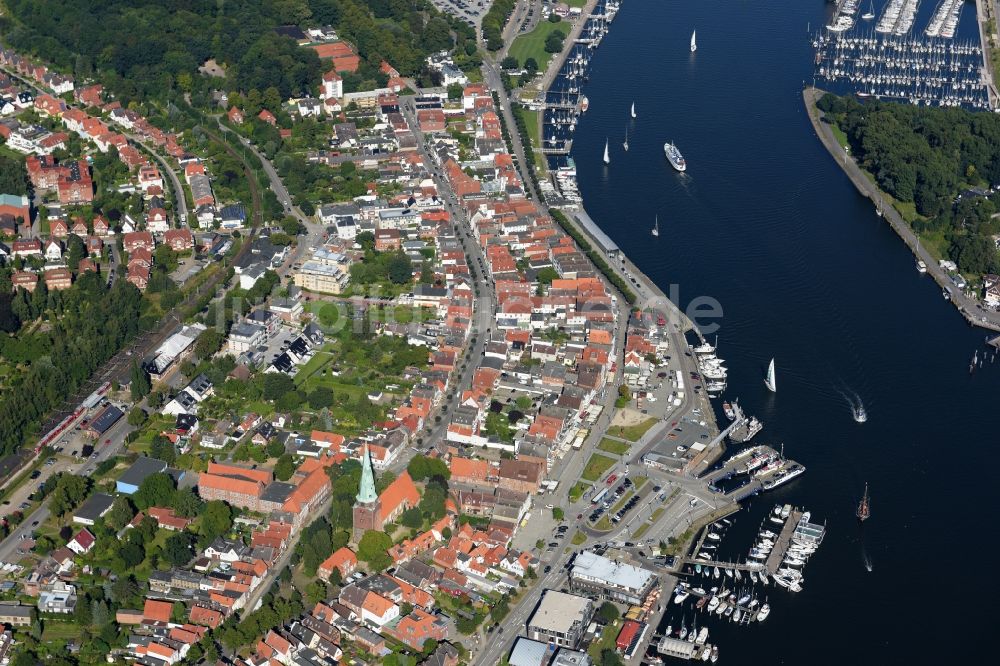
<point x="674" y="156"/>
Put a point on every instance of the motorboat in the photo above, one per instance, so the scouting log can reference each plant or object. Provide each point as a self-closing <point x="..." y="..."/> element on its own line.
<point x="681" y="596"/>
<point x="713" y="603"/>
<point x="722" y="608"/>
<point x="764" y="611"/>
<point x="716" y="573"/>
<point x="743" y="600"/>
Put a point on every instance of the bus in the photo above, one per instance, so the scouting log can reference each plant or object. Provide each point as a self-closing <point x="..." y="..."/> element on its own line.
<point x="596" y="499"/>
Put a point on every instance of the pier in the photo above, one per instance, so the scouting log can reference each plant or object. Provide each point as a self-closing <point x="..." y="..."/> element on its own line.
<point x="784" y="539"/>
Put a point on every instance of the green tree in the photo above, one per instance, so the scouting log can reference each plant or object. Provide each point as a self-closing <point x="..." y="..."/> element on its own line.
<point x="400" y="269"/>
<point x="136" y="417"/>
<point x="186" y="503"/>
<point x="163" y="449"/>
<point x="155" y="490"/>
<point x="608" y="612"/>
<point x="139" y="384"/>
<point x="285" y="467"/>
<point x="209" y="342"/>
<point x="177" y="549"/>
<point x="216" y="520"/>
<point x="277" y="384"/>
<point x="121" y="513"/>
<point x="372" y="550"/>
<point x="554" y="41"/>
<point x="69" y="491"/>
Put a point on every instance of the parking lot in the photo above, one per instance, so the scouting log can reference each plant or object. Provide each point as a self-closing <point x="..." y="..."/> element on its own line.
<point x="470" y="11"/>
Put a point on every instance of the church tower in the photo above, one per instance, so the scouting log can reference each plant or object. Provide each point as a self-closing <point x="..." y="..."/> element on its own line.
<point x="367" y="505"/>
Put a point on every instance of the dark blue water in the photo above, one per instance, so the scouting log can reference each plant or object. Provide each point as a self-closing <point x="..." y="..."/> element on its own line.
<point x="805" y="271"/>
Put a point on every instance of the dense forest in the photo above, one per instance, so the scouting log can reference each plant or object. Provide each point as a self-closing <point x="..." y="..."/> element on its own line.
<point x="144" y="49"/>
<point x="87" y="324"/>
<point x="945" y="162"/>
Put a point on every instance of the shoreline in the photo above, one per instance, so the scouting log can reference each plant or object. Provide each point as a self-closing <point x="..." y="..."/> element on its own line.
<point x="965" y="306"/>
<point x="648" y="294"/>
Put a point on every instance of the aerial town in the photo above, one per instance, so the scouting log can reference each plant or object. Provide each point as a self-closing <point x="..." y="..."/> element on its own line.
<point x="311" y="354"/>
<point x="352" y="422"/>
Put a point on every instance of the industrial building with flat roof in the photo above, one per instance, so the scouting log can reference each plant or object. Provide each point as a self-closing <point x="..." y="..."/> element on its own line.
<point x="595" y="574"/>
<point x="560" y="619"/>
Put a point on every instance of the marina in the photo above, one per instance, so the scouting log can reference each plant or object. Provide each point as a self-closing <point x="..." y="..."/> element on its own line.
<point x="914" y="70"/>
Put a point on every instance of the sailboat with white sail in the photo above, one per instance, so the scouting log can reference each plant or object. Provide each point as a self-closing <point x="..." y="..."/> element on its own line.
<point x="633" y="109"/>
<point x="607" y="157"/>
<point x="769" y="380"/>
<point x="870" y="14"/>
<point x="656" y="226"/>
<point x="694" y="42"/>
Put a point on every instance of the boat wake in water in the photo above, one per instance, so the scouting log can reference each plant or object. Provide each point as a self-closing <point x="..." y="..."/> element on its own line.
<point x="854" y="402"/>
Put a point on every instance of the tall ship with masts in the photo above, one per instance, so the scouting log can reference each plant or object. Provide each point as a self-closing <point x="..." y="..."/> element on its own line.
<point x="864" y="507"/>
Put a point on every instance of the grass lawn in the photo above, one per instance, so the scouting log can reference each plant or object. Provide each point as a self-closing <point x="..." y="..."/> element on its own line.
<point x="531" y="121"/>
<point x="578" y="538"/>
<point x="639" y="482"/>
<point x="633" y="432"/>
<point x="605" y="642"/>
<point x="839" y="135"/>
<point x="613" y="446"/>
<point x="532" y="45"/>
<point x="596" y="467"/>
<point x="54" y="630"/>
<point x="604" y="524"/>
<point x="577" y="491"/>
<point x="656" y="515"/>
<point x="576" y="3"/>
<point x="642" y="530"/>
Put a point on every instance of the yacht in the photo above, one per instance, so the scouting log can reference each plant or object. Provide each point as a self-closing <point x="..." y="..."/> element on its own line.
<point x="715" y="653"/>
<point x="713" y="603"/>
<point x="674" y="156"/>
<point x="633" y="109"/>
<point x="765" y="610"/>
<point x="769" y="380"/>
<point x="607" y="158"/>
<point x="694" y="43"/>
<point x="656" y="226"/>
<point x="860" y="415"/>
<point x="681" y="596"/>
<point x="921" y="266"/>
<point x="727" y="409"/>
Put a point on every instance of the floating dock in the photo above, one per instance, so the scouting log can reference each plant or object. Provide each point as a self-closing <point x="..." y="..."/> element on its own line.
<point x="784" y="539"/>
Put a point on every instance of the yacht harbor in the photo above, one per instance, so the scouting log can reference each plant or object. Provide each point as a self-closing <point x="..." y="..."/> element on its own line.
<point x="914" y="70"/>
<point x="941" y="63"/>
<point x="714" y="591"/>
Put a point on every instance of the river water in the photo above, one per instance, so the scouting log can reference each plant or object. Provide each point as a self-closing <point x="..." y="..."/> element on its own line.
<point x="765" y="222"/>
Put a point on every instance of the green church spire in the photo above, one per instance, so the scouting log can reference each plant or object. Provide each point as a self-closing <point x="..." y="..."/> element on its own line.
<point x="366" y="492"/>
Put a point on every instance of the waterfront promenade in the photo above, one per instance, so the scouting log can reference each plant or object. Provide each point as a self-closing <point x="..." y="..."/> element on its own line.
<point x="968" y="307"/>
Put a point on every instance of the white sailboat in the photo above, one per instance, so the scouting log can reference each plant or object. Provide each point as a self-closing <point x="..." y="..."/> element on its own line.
<point x="633" y="109"/>
<point x="694" y="44"/>
<point x="625" y="145"/>
<point x="656" y="226"/>
<point x="870" y="14"/>
<point x="769" y="380"/>
<point x="607" y="158"/>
